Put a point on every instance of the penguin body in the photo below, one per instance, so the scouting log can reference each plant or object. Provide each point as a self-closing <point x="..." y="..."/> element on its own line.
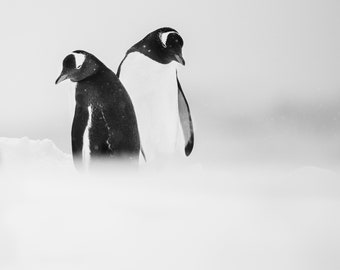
<point x="104" y="126"/>
<point x="152" y="91"/>
<point x="149" y="72"/>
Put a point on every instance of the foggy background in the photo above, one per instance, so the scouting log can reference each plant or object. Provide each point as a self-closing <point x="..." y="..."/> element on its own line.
<point x="262" y="77"/>
<point x="261" y="189"/>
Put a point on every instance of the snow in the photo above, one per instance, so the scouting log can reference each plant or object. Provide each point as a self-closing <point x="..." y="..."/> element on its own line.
<point x="33" y="154"/>
<point x="190" y="217"/>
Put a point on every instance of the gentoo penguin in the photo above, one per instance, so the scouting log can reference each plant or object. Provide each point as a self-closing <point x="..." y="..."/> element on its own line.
<point x="149" y="73"/>
<point x="104" y="125"/>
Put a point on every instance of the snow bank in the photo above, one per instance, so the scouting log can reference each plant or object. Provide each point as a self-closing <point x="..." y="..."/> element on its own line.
<point x="31" y="154"/>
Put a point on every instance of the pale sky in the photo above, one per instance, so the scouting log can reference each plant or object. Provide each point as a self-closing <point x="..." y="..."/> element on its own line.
<point x="241" y="55"/>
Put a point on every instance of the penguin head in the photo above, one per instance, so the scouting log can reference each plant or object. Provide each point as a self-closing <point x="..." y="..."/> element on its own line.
<point x="78" y="66"/>
<point x="163" y="45"/>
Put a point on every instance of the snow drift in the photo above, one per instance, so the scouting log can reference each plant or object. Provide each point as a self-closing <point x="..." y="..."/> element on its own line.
<point x="16" y="153"/>
<point x="181" y="218"/>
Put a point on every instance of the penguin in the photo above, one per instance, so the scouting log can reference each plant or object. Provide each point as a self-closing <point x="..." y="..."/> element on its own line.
<point x="149" y="73"/>
<point x="104" y="126"/>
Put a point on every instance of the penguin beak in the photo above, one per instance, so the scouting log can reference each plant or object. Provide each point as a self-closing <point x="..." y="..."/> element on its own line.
<point x="180" y="59"/>
<point x="61" y="78"/>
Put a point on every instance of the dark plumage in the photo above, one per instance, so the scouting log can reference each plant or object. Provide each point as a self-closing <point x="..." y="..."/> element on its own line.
<point x="112" y="128"/>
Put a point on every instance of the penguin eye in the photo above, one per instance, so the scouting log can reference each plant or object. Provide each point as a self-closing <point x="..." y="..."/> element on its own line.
<point x="164" y="37"/>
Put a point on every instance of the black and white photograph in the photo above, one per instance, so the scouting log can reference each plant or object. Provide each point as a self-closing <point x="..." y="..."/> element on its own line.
<point x="170" y="135"/>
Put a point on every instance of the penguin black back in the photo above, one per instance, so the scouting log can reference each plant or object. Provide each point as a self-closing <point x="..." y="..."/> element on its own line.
<point x="103" y="110"/>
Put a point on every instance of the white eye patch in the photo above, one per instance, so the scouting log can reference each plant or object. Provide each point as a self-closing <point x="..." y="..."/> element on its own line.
<point x="164" y="37"/>
<point x="80" y="58"/>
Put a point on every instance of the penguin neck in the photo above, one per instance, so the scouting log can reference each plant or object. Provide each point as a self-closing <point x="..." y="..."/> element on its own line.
<point x="151" y="49"/>
<point x="145" y="76"/>
<point x="93" y="90"/>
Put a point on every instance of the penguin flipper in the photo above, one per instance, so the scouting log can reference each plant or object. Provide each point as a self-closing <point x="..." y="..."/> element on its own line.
<point x="80" y="120"/>
<point x="186" y="121"/>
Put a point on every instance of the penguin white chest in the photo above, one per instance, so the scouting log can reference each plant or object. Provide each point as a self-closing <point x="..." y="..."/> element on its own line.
<point x="86" y="139"/>
<point x="153" y="89"/>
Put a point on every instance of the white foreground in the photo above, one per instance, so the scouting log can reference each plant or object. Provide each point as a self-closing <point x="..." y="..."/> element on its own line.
<point x="191" y="217"/>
